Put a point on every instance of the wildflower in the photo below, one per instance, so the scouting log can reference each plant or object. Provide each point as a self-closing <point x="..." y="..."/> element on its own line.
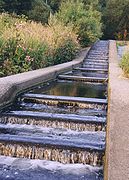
<point x="28" y="58"/>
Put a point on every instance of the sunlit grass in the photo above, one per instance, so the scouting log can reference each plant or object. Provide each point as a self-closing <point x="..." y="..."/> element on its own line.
<point x="125" y="64"/>
<point x="45" y="45"/>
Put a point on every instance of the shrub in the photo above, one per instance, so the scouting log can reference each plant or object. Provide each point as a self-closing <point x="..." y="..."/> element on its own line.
<point x="84" y="19"/>
<point x="28" y="45"/>
<point x="64" y="53"/>
<point x="125" y="64"/>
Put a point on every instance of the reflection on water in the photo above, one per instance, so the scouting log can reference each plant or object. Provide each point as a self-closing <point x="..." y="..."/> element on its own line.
<point x="76" y="89"/>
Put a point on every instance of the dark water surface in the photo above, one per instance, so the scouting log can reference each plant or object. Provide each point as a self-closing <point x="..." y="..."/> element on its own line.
<point x="75" y="89"/>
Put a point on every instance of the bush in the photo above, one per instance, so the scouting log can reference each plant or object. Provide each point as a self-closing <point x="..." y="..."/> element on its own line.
<point x="125" y="64"/>
<point x="28" y="45"/>
<point x="65" y="52"/>
<point x="85" y="20"/>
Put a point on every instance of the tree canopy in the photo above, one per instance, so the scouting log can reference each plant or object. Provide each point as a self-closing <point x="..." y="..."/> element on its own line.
<point x="16" y="6"/>
<point x="116" y="18"/>
<point x="86" y="21"/>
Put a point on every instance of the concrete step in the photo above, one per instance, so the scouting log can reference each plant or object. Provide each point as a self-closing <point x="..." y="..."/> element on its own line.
<point x="58" y="110"/>
<point x="92" y="66"/>
<point x="94" y="74"/>
<point x="97" y="57"/>
<point x="54" y="145"/>
<point x="87" y="74"/>
<point x="95" y="60"/>
<point x="98" y="53"/>
<point x="64" y="101"/>
<point x="82" y="78"/>
<point x="66" y="121"/>
<point x="91" y="70"/>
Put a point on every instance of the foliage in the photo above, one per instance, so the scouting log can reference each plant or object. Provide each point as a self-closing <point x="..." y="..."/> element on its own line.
<point x="39" y="12"/>
<point x="65" y="52"/>
<point x="54" y="4"/>
<point x="28" y="45"/>
<point x="34" y="9"/>
<point x="125" y="64"/>
<point x="86" y="22"/>
<point x="116" y="19"/>
<point x="94" y="3"/>
<point x="15" y="6"/>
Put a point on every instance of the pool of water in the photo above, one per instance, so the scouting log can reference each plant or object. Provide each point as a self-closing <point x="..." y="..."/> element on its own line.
<point x="75" y="89"/>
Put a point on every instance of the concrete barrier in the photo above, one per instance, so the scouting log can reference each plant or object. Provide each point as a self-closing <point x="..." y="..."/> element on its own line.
<point x="11" y="86"/>
<point x="117" y="146"/>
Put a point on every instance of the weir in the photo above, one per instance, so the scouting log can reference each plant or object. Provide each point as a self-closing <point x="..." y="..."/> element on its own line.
<point x="63" y="120"/>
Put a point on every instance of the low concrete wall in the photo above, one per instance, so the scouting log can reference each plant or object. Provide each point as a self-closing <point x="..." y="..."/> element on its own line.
<point x="10" y="86"/>
<point x="117" y="151"/>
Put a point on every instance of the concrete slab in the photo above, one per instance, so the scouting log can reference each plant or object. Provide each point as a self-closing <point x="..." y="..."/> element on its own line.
<point x="117" y="155"/>
<point x="10" y="86"/>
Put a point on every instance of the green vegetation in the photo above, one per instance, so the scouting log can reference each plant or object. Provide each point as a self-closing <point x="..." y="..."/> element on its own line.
<point x="125" y="64"/>
<point x="86" y="21"/>
<point x="40" y="33"/>
<point x="114" y="13"/>
<point x="116" y="19"/>
<point x="121" y="43"/>
<point x="54" y="38"/>
<point x="28" y="45"/>
<point x="39" y="12"/>
<point x="36" y="10"/>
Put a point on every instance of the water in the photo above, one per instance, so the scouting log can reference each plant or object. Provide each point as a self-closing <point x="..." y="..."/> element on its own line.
<point x="75" y="89"/>
<point x="62" y="122"/>
<point x="76" y="126"/>
<point x="26" y="169"/>
<point x="60" y="110"/>
<point x="59" y="155"/>
<point x="61" y="145"/>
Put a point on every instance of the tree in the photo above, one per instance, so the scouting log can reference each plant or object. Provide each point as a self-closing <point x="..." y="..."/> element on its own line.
<point x="40" y="11"/>
<point x="15" y="6"/>
<point x="36" y="10"/>
<point x="54" y="4"/>
<point x="86" y="22"/>
<point x="93" y="3"/>
<point x="116" y="18"/>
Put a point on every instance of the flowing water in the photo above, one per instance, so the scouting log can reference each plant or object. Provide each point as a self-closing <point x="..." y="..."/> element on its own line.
<point x="63" y="121"/>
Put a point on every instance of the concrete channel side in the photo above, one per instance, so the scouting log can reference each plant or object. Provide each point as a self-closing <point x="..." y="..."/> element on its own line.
<point x="117" y="149"/>
<point x="12" y="85"/>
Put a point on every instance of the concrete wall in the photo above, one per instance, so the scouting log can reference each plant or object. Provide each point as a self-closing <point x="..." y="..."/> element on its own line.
<point x="10" y="86"/>
<point x="117" y="147"/>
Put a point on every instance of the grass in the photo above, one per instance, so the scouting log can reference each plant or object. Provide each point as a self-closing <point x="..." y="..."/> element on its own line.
<point x="27" y="45"/>
<point x="125" y="64"/>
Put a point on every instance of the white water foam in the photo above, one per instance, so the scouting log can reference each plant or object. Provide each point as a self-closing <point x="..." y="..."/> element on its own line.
<point x="26" y="164"/>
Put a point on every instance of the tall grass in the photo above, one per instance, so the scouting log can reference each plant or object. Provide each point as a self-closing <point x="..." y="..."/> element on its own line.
<point x="27" y="45"/>
<point x="125" y="64"/>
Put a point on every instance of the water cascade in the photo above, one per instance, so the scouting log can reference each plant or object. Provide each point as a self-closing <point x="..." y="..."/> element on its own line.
<point x="63" y="120"/>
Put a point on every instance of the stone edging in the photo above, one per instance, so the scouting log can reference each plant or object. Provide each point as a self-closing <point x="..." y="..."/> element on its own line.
<point x="12" y="85"/>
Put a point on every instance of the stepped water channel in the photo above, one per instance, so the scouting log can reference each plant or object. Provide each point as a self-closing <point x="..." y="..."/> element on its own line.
<point x="62" y="121"/>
